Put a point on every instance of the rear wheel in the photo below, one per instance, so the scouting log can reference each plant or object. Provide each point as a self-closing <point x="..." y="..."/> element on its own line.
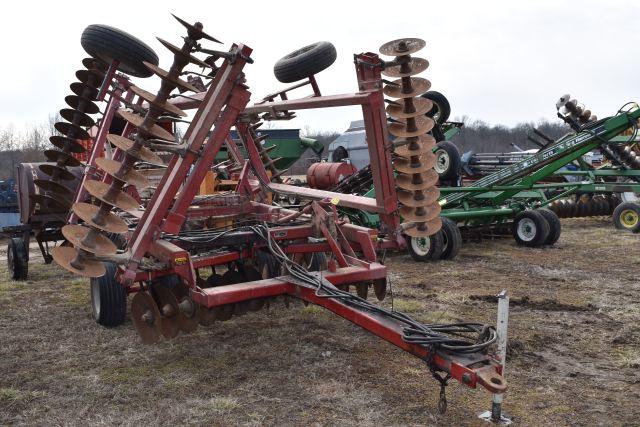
<point x="305" y="62"/>
<point x="423" y="249"/>
<point x="18" y="259"/>
<point x="626" y="216"/>
<point x="555" y="228"/>
<point x="530" y="228"/>
<point x="448" y="162"/>
<point x="441" y="108"/>
<point x="108" y="298"/>
<point x="452" y="239"/>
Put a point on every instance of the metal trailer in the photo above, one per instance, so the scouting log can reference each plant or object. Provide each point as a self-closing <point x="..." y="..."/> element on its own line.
<point x="267" y="251"/>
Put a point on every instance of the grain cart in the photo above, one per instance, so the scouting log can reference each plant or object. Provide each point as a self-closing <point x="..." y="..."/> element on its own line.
<point x="266" y="252"/>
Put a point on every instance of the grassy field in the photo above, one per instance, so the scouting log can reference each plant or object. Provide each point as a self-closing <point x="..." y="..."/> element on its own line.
<point x="574" y="348"/>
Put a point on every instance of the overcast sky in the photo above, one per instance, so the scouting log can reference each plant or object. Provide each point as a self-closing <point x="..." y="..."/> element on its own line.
<point x="498" y="61"/>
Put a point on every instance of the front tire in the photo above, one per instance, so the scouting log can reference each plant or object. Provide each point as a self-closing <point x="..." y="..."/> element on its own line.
<point x="530" y="229"/>
<point x="108" y="298"/>
<point x="423" y="249"/>
<point x="626" y="216"/>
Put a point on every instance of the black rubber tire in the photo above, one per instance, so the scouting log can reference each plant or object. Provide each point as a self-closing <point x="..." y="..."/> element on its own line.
<point x="448" y="161"/>
<point x="108" y="43"/>
<point x="630" y="209"/>
<point x="305" y="62"/>
<point x="540" y="229"/>
<point x="441" y="108"/>
<point x="452" y="239"/>
<point x="339" y="154"/>
<point x="430" y="250"/>
<point x="108" y="298"/>
<point x="555" y="228"/>
<point x="18" y="259"/>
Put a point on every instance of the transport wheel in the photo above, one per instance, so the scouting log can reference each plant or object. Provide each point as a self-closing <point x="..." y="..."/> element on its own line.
<point x="441" y="108"/>
<point x="108" y="298"/>
<point x="423" y="249"/>
<point x="448" y="162"/>
<point x="530" y="228"/>
<point x="452" y="239"/>
<point x="109" y="43"/>
<point x="305" y="62"/>
<point x="555" y="228"/>
<point x="626" y="216"/>
<point x="18" y="259"/>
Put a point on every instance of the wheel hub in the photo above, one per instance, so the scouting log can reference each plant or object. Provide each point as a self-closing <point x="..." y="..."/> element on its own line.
<point x="629" y="218"/>
<point x="526" y="229"/>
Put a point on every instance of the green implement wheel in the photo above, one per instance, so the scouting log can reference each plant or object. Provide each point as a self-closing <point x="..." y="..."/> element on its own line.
<point x="531" y="229"/>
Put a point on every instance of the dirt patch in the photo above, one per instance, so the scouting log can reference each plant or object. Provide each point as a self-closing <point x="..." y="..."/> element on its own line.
<point x="574" y="348"/>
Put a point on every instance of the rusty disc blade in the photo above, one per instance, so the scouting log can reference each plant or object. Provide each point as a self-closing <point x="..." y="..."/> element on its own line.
<point x="186" y="55"/>
<point x="207" y="316"/>
<point x="112" y="223"/>
<point x="122" y="200"/>
<point x="77" y="117"/>
<point x="169" y="327"/>
<point x="405" y="147"/>
<point x="131" y="177"/>
<point x="63" y="255"/>
<point x="71" y="130"/>
<point x="67" y="145"/>
<point x="164" y="75"/>
<point x="60" y="173"/>
<point x="94" y="63"/>
<point x="188" y="313"/>
<point x="380" y="288"/>
<point x="421" y="107"/>
<point x="84" y="90"/>
<point x="362" y="290"/>
<point x="151" y="99"/>
<point x="409" y="198"/>
<point x="137" y="120"/>
<point x="54" y="187"/>
<point x="409" y="214"/>
<point x="48" y="204"/>
<point x="426" y="229"/>
<point x="195" y="32"/>
<point x="417" y="88"/>
<point x="146" y="317"/>
<point x="423" y="125"/>
<point x="416" y="66"/>
<point x="82" y="103"/>
<point x="100" y="245"/>
<point x="400" y="47"/>
<point x="144" y="154"/>
<point x="91" y="77"/>
<point x="403" y="165"/>
<point x="426" y="180"/>
<point x="67" y="159"/>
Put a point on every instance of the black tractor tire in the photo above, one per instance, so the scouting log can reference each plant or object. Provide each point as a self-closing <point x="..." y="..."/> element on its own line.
<point x="423" y="249"/>
<point x="626" y="216"/>
<point x="305" y="62"/>
<point x="108" y="43"/>
<point x="555" y="228"/>
<point x="108" y="298"/>
<point x="441" y="108"/>
<point x="530" y="228"/>
<point x="448" y="161"/>
<point x="452" y="239"/>
<point x="18" y="259"/>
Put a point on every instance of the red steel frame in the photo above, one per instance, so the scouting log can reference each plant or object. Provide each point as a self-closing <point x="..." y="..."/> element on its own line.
<point x="223" y="106"/>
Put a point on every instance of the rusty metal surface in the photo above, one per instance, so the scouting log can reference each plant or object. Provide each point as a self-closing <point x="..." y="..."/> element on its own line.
<point x="111" y="222"/>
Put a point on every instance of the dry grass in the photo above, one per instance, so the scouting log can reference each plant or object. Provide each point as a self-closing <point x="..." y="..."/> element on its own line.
<point x="574" y="334"/>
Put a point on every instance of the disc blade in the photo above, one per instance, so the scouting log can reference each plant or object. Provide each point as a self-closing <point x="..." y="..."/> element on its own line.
<point x="186" y="55"/>
<point x="94" y="63"/>
<point x="58" y="172"/>
<point x="56" y="156"/>
<point x="146" y="317"/>
<point x="424" y="180"/>
<point x="430" y="195"/>
<point x="71" y="130"/>
<point x="99" y="244"/>
<point x="143" y="154"/>
<point x="194" y="31"/>
<point x="410" y="214"/>
<point x="399" y="47"/>
<point x="416" y="66"/>
<point x="131" y="177"/>
<point x="63" y="255"/>
<point x="426" y="162"/>
<point x="407" y="149"/>
<point x="169" y="327"/>
<point x="421" y="107"/>
<point x="423" y="125"/>
<point x="137" y="120"/>
<point x="77" y="117"/>
<point x="122" y="200"/>
<point x="112" y="223"/>
<point x="418" y="87"/>
<point x="84" y="90"/>
<point x="188" y="313"/>
<point x="54" y="187"/>
<point x="151" y="99"/>
<point x="91" y="77"/>
<point x="48" y="204"/>
<point x="67" y="145"/>
<point x="164" y="75"/>
<point x="426" y="229"/>
<point x="81" y="103"/>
